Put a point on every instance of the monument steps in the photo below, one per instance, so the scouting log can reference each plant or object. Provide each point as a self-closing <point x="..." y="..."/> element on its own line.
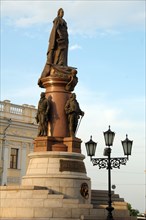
<point x="105" y="218"/>
<point x="34" y="202"/>
<point x="37" y="202"/>
<point x="40" y="218"/>
<point x="99" y="199"/>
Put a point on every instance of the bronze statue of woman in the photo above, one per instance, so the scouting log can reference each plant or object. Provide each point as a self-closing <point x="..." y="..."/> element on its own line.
<point x="58" y="45"/>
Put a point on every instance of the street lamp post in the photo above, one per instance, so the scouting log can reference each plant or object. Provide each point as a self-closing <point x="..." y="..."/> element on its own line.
<point x="109" y="163"/>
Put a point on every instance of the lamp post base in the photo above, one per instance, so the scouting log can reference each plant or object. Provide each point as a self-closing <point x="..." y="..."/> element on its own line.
<point x="110" y="216"/>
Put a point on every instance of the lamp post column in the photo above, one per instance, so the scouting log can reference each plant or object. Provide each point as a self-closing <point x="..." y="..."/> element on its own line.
<point x="109" y="208"/>
<point x="109" y="163"/>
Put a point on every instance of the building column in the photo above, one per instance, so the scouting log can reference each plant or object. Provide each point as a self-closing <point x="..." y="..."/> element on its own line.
<point x="5" y="162"/>
<point x="23" y="159"/>
<point x="31" y="147"/>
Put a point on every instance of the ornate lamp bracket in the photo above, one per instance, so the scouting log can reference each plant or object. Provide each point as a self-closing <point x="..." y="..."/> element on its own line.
<point x="104" y="162"/>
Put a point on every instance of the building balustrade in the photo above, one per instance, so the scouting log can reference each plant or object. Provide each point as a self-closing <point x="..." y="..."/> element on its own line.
<point x="23" y="112"/>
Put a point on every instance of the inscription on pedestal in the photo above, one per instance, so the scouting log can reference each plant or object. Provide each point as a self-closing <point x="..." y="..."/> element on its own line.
<point x="72" y="166"/>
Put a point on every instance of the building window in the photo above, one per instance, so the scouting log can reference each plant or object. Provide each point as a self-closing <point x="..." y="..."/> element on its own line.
<point x="14" y="158"/>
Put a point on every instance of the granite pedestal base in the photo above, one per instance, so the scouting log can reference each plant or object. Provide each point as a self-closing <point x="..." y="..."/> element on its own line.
<point x="51" y="190"/>
<point x="61" y="172"/>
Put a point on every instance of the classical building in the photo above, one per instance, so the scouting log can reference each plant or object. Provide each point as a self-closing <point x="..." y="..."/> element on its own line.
<point x="18" y="129"/>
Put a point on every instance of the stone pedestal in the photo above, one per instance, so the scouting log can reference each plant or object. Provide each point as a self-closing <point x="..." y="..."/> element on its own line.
<point x="58" y="129"/>
<point x="55" y="87"/>
<point x="61" y="172"/>
<point x="67" y="144"/>
<point x="73" y="144"/>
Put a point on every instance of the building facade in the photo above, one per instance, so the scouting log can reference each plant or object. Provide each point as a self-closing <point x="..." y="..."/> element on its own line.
<point x="18" y="129"/>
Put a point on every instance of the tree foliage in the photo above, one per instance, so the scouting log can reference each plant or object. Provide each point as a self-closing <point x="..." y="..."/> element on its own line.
<point x="133" y="212"/>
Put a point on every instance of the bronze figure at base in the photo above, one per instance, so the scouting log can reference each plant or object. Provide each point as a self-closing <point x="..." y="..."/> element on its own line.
<point x="73" y="112"/>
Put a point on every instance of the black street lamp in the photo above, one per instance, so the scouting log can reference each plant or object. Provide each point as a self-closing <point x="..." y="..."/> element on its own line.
<point x="109" y="163"/>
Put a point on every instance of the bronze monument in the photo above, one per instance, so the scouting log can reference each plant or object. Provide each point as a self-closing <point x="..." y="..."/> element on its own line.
<point x="58" y="132"/>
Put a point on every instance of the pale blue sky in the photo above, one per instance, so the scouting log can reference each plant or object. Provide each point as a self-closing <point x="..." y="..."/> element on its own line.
<point x="107" y="45"/>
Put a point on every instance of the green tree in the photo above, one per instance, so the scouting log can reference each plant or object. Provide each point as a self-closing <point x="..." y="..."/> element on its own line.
<point x="133" y="212"/>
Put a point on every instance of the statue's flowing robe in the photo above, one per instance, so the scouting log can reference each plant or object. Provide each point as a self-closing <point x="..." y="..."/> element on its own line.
<point x="58" y="43"/>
